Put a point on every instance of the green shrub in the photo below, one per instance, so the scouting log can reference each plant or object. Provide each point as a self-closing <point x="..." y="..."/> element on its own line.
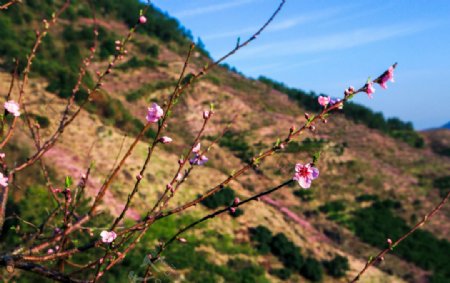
<point x="262" y="238"/>
<point x="443" y="185"/>
<point x="238" y="212"/>
<point x="333" y="206"/>
<point x="378" y="222"/>
<point x="337" y="267"/>
<point x="282" y="273"/>
<point x="288" y="253"/>
<point x="236" y="143"/>
<point x="365" y="197"/>
<point x="312" y="270"/>
<point x="43" y="121"/>
<point x="308" y="145"/>
<point x="223" y="197"/>
<point x="135" y="62"/>
<point x="304" y="195"/>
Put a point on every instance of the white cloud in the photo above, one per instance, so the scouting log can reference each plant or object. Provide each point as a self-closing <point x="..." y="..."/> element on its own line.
<point x="331" y="42"/>
<point x="276" y="26"/>
<point x="210" y="9"/>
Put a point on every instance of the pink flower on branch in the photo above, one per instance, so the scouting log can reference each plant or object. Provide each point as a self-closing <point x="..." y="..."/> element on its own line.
<point x="304" y="174"/>
<point x="196" y="148"/>
<point x="369" y="89"/>
<point x="385" y="77"/>
<point x="154" y="113"/>
<point x="12" y="107"/>
<point x="3" y="180"/>
<point x="198" y="160"/>
<point x="108" y="236"/>
<point x="142" y="20"/>
<point x="165" y="140"/>
<point x="324" y="100"/>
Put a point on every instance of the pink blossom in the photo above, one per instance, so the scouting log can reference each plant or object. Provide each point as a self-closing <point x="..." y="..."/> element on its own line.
<point x="142" y="20"/>
<point x="108" y="236"/>
<point x="170" y="188"/>
<point x="349" y="91"/>
<point x="182" y="240"/>
<point x="196" y="149"/>
<point x="335" y="101"/>
<point x="154" y="113"/>
<point x="165" y="140"/>
<point x="3" y="180"/>
<point x="12" y="107"/>
<point x="389" y="241"/>
<point x="2" y="155"/>
<point x="304" y="174"/>
<point x="198" y="160"/>
<point x="139" y="177"/>
<point x="232" y="210"/>
<point x="206" y="114"/>
<point x="236" y="201"/>
<point x="388" y="75"/>
<point x="179" y="177"/>
<point x="369" y="89"/>
<point x="324" y="100"/>
<point x="50" y="251"/>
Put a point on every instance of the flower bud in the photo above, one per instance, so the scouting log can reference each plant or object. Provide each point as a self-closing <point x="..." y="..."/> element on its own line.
<point x="165" y="140"/>
<point x="142" y="20"/>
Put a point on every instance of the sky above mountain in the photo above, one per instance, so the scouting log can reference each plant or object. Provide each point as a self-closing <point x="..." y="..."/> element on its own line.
<point x="326" y="46"/>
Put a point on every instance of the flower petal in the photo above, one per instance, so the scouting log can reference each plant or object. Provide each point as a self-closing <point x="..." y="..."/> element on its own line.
<point x="315" y="173"/>
<point x="304" y="182"/>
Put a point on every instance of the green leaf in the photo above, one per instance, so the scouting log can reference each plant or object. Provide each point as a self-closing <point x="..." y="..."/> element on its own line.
<point x="68" y="181"/>
<point x="316" y="156"/>
<point x="277" y="143"/>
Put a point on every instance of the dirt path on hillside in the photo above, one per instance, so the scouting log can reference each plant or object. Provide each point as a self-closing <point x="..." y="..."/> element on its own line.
<point x="297" y="219"/>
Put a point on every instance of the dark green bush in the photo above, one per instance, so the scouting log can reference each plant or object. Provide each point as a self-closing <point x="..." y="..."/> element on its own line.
<point x="365" y="197"/>
<point x="288" y="253"/>
<point x="236" y="143"/>
<point x="443" y="185"/>
<point x="262" y="238"/>
<point x="304" y="195"/>
<point x="223" y="197"/>
<point x="377" y="223"/>
<point x="332" y="206"/>
<point x="312" y="270"/>
<point x="238" y="212"/>
<point x="282" y="273"/>
<point x="337" y="267"/>
<point x="308" y="145"/>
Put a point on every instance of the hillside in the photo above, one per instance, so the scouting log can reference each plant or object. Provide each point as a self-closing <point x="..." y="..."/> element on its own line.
<point x="377" y="176"/>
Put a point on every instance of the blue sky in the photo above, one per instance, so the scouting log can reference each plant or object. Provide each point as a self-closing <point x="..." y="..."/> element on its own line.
<point x="327" y="45"/>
